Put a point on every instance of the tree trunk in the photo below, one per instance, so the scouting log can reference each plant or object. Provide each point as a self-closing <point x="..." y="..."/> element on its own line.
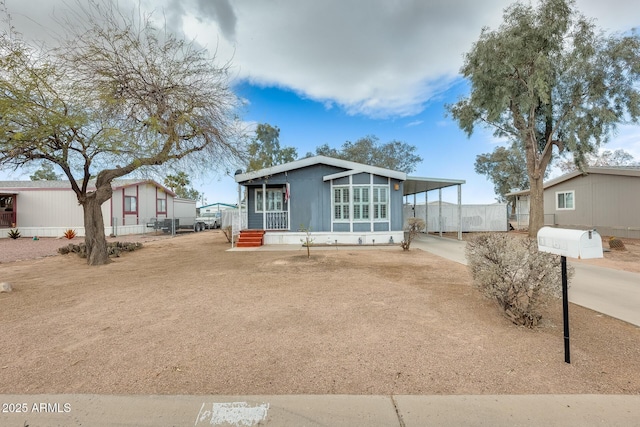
<point x="95" y="239"/>
<point x="536" y="206"/>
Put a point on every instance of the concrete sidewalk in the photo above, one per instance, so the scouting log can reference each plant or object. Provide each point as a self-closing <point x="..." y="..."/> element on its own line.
<point x="319" y="410"/>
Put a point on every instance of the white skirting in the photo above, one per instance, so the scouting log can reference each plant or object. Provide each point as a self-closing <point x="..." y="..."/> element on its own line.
<point x="327" y="237"/>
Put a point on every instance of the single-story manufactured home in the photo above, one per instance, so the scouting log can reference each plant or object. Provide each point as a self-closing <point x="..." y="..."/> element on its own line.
<point x="48" y="208"/>
<point x="337" y="200"/>
<point x="604" y="198"/>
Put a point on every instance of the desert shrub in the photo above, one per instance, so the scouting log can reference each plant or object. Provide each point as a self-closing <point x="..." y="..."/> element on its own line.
<point x="413" y="227"/>
<point x="14" y="233"/>
<point x="228" y="233"/>
<point x="70" y="234"/>
<point x="114" y="249"/>
<point x="510" y="270"/>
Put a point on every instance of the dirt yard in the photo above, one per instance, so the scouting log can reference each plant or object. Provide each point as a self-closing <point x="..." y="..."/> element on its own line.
<point x="184" y="316"/>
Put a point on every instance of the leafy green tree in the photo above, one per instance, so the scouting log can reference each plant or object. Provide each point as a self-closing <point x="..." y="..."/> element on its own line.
<point x="547" y="78"/>
<point x="618" y="157"/>
<point x="115" y="91"/>
<point x="394" y="155"/>
<point x="181" y="185"/>
<point x="45" y="173"/>
<point x="265" y="151"/>
<point x="506" y="168"/>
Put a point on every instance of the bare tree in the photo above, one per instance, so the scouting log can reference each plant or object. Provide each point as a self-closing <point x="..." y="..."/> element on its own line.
<point x="116" y="95"/>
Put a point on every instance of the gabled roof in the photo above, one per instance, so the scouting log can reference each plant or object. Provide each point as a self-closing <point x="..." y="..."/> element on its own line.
<point x="618" y="170"/>
<point x="66" y="185"/>
<point x="320" y="160"/>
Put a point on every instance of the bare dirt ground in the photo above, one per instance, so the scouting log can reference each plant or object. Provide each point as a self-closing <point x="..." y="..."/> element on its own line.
<point x="184" y="316"/>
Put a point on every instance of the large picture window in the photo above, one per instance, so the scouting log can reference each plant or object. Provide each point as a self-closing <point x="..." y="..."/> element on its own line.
<point x="364" y="203"/>
<point x="341" y="203"/>
<point x="273" y="200"/>
<point x="565" y="200"/>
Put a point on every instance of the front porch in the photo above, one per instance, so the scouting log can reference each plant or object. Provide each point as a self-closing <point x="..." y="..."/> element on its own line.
<point x="7" y="219"/>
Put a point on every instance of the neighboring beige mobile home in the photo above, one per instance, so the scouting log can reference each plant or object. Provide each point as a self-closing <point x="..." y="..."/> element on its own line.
<point x="607" y="199"/>
<point x="48" y="208"/>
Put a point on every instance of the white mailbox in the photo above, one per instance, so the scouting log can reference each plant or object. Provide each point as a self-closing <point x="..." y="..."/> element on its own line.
<point x="570" y="243"/>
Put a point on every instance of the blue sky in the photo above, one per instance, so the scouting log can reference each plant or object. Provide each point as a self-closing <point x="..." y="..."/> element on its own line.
<point x="336" y="70"/>
<point x="446" y="151"/>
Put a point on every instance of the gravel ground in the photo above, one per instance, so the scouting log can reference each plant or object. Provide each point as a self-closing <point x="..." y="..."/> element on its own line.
<point x="184" y="316"/>
<point x="26" y="248"/>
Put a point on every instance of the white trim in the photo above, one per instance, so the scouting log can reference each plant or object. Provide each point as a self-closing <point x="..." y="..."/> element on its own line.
<point x="371" y="204"/>
<point x="351" y="203"/>
<point x="389" y="201"/>
<point x="341" y="174"/>
<point x="331" y="213"/>
<point x="310" y="161"/>
<point x="264" y="204"/>
<point x="573" y="200"/>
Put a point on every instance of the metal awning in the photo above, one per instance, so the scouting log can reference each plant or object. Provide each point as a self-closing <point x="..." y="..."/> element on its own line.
<point x="416" y="184"/>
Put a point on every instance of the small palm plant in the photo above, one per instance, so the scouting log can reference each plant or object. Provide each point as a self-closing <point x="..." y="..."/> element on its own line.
<point x="14" y="233"/>
<point x="70" y="234"/>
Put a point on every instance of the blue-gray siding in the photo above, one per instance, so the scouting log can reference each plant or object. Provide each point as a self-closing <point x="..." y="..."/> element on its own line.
<point x="311" y="199"/>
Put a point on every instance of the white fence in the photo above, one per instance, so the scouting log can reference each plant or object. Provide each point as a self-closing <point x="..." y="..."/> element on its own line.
<point x="475" y="218"/>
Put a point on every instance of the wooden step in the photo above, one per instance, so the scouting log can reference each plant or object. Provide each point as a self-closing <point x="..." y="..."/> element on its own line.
<point x="250" y="238"/>
<point x="248" y="244"/>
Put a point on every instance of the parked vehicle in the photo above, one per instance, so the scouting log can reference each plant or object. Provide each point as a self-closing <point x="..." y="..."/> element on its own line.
<point x="212" y="220"/>
<point x="184" y="218"/>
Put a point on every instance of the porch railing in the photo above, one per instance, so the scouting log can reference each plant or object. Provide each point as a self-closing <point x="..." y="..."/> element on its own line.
<point x="7" y="219"/>
<point x="277" y="221"/>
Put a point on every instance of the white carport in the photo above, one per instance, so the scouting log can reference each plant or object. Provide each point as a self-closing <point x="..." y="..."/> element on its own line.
<point x="416" y="185"/>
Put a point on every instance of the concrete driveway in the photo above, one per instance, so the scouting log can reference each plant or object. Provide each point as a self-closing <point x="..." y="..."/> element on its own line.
<point x="615" y="293"/>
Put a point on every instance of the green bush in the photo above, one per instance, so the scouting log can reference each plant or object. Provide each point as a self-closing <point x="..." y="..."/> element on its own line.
<point x="510" y="270"/>
<point x="14" y="233"/>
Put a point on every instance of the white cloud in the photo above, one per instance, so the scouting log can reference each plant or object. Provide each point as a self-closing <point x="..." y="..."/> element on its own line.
<point x="377" y="58"/>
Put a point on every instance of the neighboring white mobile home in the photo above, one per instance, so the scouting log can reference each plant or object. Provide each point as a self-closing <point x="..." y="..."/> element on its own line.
<point x="48" y="208"/>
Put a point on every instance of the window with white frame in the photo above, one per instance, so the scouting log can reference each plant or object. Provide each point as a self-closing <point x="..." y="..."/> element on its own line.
<point x="130" y="204"/>
<point x="361" y="203"/>
<point x="380" y="203"/>
<point x="340" y="203"/>
<point x="565" y="200"/>
<point x="273" y="200"/>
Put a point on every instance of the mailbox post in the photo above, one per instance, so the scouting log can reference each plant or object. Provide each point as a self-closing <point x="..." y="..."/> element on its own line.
<point x="569" y="243"/>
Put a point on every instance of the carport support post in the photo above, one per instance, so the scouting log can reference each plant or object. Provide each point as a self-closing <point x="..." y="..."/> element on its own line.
<point x="565" y="308"/>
